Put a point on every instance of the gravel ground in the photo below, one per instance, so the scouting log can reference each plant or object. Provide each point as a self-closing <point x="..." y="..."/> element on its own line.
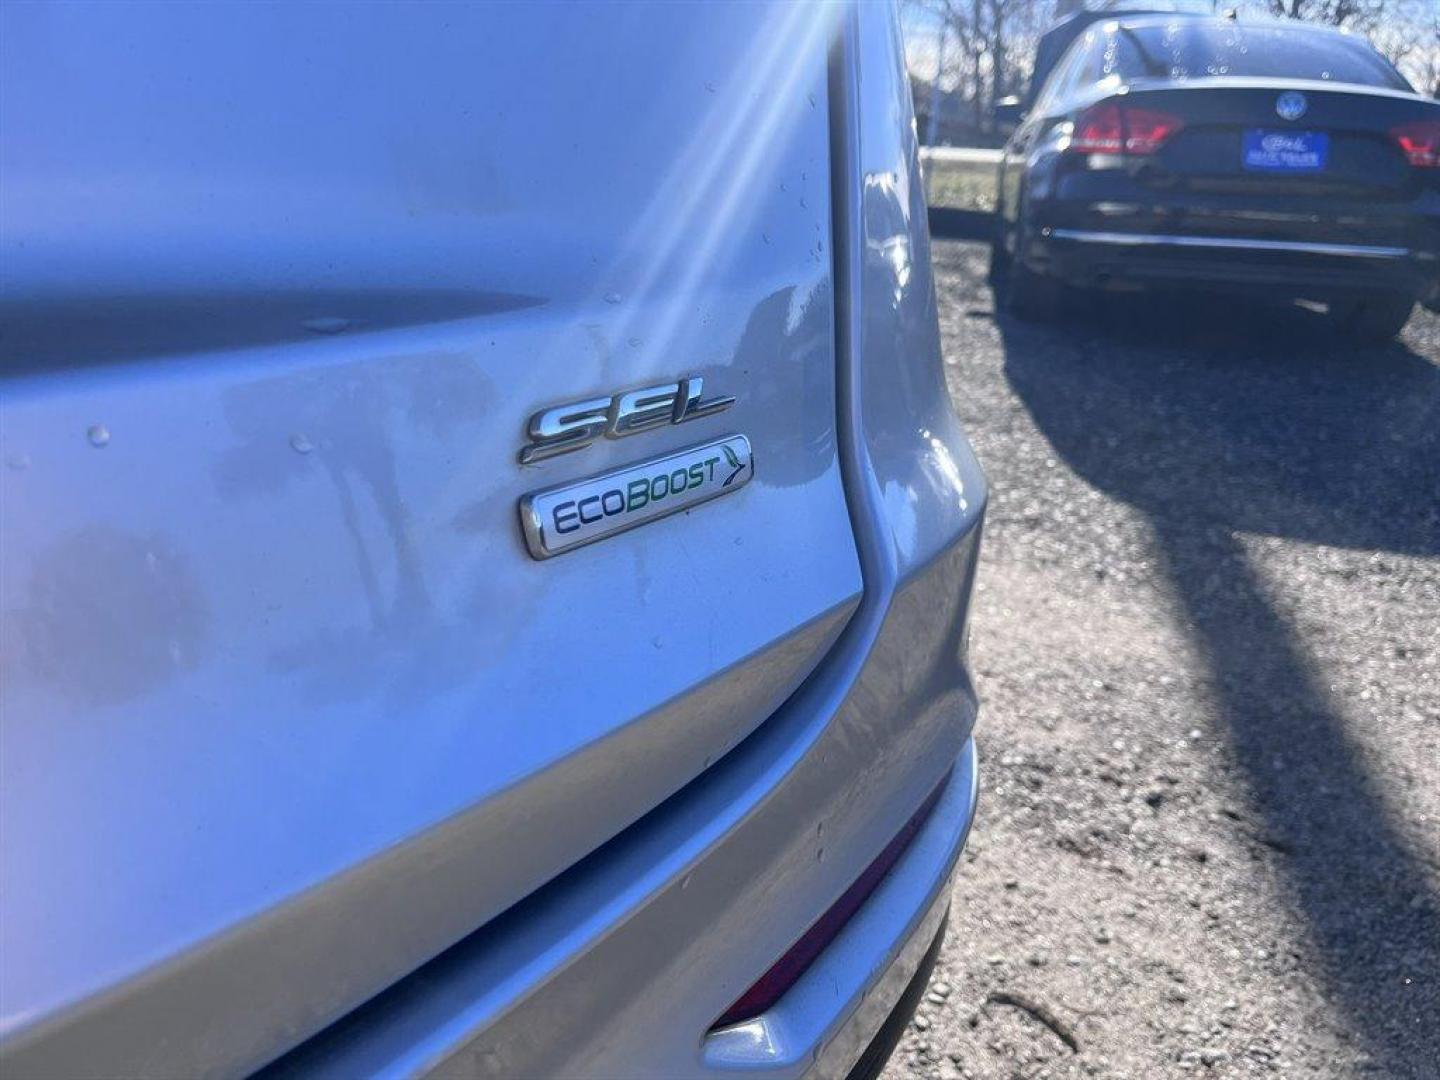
<point x="1207" y="636"/>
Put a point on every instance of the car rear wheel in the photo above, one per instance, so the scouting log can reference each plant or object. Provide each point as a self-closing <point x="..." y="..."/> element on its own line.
<point x="1374" y="318"/>
<point x="1020" y="291"/>
<point x="999" y="255"/>
<point x="1029" y="296"/>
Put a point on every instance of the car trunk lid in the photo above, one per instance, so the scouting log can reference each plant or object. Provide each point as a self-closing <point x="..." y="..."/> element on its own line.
<point x="289" y="706"/>
<point x="1337" y="144"/>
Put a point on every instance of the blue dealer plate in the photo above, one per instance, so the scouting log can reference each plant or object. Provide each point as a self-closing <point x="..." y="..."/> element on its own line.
<point x="1286" y="151"/>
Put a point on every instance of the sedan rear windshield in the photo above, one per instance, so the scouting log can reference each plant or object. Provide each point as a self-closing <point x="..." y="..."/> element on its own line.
<point x="1194" y="50"/>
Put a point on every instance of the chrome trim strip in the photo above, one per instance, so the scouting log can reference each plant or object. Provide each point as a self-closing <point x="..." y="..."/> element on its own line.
<point x="1358" y="251"/>
<point x="570" y="515"/>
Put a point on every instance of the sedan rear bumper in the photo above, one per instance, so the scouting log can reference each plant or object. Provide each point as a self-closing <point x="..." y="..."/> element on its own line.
<point x="1314" y="269"/>
<point x="1229" y="243"/>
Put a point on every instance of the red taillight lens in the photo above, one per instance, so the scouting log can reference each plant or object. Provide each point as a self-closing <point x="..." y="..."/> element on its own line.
<point x="1421" y="142"/>
<point x="1146" y="130"/>
<point x="1110" y="128"/>
<point x="1099" y="130"/>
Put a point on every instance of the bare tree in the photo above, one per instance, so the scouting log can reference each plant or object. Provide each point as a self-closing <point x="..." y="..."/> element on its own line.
<point x="1333" y="12"/>
<point x="994" y="42"/>
<point x="1406" y="31"/>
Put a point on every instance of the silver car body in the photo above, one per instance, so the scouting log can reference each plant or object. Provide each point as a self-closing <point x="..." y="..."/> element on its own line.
<point x="305" y="761"/>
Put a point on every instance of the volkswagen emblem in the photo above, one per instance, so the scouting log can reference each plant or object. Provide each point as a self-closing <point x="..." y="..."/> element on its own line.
<point x="1291" y="105"/>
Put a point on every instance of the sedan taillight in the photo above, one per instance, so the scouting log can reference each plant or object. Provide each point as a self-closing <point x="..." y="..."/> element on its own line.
<point x="1420" y="140"/>
<point x="1111" y="128"/>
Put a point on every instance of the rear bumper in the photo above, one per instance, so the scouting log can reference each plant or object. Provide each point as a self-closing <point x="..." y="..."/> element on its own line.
<point x="1102" y="227"/>
<point x="877" y="1054"/>
<point x="621" y="966"/>
<point x="1100" y="257"/>
<point x="841" y="1004"/>
<point x="1314" y="268"/>
<point x="630" y="995"/>
<point x="1373" y="253"/>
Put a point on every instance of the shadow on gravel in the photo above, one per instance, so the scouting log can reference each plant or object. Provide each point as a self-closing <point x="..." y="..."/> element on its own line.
<point x="961" y="224"/>
<point x="1215" y="418"/>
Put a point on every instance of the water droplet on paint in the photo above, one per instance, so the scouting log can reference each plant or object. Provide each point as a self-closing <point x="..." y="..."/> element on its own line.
<point x="612" y="297"/>
<point x="98" y="434"/>
<point x="301" y="444"/>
